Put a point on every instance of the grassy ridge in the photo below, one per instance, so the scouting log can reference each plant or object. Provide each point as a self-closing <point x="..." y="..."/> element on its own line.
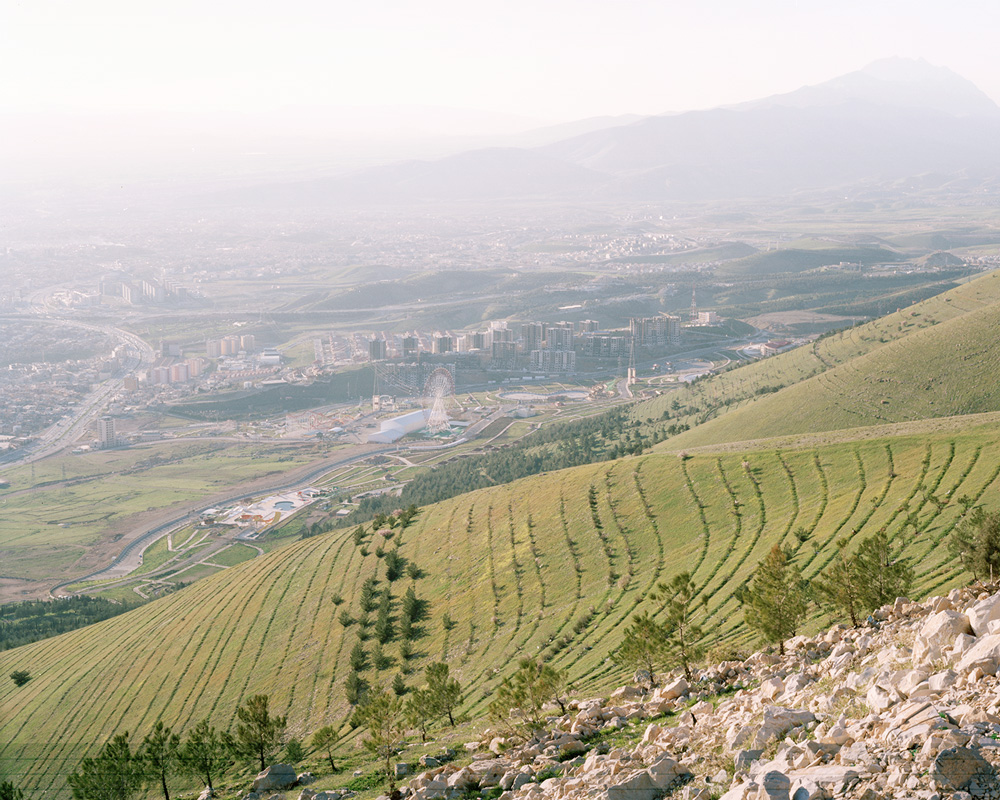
<point x="802" y="257"/>
<point x="553" y="565"/>
<point x="939" y="371"/>
<point x="944" y="315"/>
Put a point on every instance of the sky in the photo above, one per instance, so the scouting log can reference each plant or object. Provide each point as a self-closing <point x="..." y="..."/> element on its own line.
<point x="535" y="61"/>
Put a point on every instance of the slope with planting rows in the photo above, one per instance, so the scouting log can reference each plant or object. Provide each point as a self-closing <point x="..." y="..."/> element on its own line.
<point x="553" y="565"/>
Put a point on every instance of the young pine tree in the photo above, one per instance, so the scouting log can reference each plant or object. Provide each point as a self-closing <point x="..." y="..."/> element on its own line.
<point x="159" y="754"/>
<point x="840" y="585"/>
<point x="386" y="723"/>
<point x="775" y="603"/>
<point x="326" y="740"/>
<point x="258" y="733"/>
<point x="445" y="691"/>
<point x="684" y="635"/>
<point x="975" y="542"/>
<point x="203" y="753"/>
<point x="644" y="646"/>
<point x="883" y="572"/>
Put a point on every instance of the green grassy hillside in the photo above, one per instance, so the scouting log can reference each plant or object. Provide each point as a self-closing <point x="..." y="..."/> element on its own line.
<point x="552" y="565"/>
<point x="800" y="258"/>
<point x="942" y="341"/>
<point x="941" y="371"/>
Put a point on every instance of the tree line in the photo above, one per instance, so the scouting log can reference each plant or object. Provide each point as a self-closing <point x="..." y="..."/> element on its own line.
<point x="32" y="620"/>
<point x="601" y="437"/>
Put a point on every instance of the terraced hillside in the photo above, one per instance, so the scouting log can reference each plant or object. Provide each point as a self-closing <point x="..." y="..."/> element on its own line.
<point x="554" y="564"/>
<point x="929" y="360"/>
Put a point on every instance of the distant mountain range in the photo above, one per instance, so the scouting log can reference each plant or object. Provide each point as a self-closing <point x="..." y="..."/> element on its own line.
<point x="894" y="121"/>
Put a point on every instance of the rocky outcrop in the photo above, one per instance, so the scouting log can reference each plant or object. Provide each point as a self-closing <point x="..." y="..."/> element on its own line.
<point x="907" y="708"/>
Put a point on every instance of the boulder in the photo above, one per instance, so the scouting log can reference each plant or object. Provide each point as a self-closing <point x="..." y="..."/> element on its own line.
<point x="942" y="680"/>
<point x="276" y="776"/>
<point x="738" y="792"/>
<point x="807" y="790"/>
<point x="665" y="772"/>
<point x="831" y="778"/>
<point x="936" y="634"/>
<point x="910" y="680"/>
<point x="744" y="758"/>
<point x="637" y="787"/>
<point x="662" y="775"/>
<point x="880" y="699"/>
<point x="984" y="655"/>
<point x="982" y="613"/>
<point x="573" y="747"/>
<point x="777" y="721"/>
<point x="627" y="693"/>
<point x="774" y="786"/>
<point x="956" y="767"/>
<point x="672" y="691"/>
<point x="463" y="779"/>
<point x="771" y="688"/>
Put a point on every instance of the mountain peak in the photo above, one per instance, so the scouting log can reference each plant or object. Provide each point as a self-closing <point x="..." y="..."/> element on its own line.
<point x="904" y="83"/>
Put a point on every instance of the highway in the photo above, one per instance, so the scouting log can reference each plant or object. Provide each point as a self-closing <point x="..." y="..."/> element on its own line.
<point x="67" y="430"/>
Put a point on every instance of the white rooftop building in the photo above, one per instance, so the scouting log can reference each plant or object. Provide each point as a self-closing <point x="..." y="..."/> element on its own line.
<point x="398" y="427"/>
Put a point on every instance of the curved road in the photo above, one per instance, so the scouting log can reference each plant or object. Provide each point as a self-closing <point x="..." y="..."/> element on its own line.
<point x="127" y="560"/>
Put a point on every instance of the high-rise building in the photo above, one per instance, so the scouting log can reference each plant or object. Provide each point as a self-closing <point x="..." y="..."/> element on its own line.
<point x="552" y="360"/>
<point x="169" y="349"/>
<point x="443" y="343"/>
<point x="411" y="346"/>
<point x="532" y="336"/>
<point x="106" y="432"/>
<point x="503" y="354"/>
<point x="588" y="325"/>
<point x="376" y="350"/>
<point x="655" y="331"/>
<point x="478" y="341"/>
<point x="560" y="336"/>
<point x="213" y="347"/>
<point x="248" y="342"/>
<point x="179" y="373"/>
<point x="230" y="345"/>
<point x="503" y="334"/>
<point x="606" y="345"/>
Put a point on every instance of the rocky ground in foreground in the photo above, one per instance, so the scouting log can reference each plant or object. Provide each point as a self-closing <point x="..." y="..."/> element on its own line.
<point x="906" y="708"/>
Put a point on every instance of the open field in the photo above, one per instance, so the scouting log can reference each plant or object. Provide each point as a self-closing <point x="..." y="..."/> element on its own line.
<point x="530" y="568"/>
<point x="66" y="515"/>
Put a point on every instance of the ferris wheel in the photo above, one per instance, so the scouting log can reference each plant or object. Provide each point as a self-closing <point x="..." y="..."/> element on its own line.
<point x="440" y="385"/>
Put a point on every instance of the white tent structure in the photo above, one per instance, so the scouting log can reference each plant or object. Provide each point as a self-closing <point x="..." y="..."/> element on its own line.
<point x="398" y="427"/>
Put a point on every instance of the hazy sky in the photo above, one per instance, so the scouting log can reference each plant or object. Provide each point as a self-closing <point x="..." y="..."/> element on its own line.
<point x="549" y="60"/>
